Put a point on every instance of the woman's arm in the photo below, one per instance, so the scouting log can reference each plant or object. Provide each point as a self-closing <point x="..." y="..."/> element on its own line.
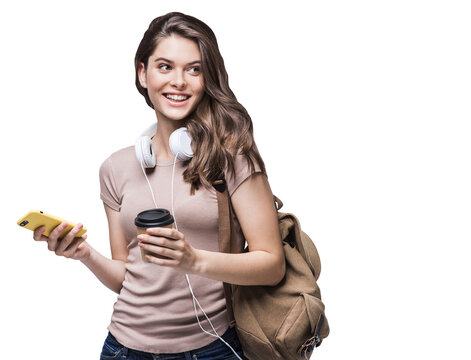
<point x="264" y="264"/>
<point x="110" y="271"/>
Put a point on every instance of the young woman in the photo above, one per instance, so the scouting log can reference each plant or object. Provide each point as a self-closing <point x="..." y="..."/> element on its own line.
<point x="181" y="74"/>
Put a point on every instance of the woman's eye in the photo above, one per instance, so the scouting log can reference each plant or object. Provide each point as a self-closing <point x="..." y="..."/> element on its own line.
<point x="195" y="70"/>
<point x="164" y="67"/>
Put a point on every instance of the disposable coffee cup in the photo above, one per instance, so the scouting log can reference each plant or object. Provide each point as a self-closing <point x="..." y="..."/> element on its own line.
<point x="150" y="219"/>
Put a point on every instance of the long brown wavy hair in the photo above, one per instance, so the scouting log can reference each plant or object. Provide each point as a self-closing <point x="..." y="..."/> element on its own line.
<point x="220" y="127"/>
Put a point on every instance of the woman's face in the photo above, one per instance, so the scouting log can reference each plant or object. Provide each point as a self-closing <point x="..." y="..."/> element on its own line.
<point x="173" y="77"/>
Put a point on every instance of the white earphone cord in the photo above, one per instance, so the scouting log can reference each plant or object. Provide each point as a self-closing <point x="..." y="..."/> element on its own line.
<point x="150" y="187"/>
<point x="195" y="300"/>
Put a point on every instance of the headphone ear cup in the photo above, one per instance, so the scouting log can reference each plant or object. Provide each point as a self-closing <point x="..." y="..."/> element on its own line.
<point x="180" y="144"/>
<point x="145" y="152"/>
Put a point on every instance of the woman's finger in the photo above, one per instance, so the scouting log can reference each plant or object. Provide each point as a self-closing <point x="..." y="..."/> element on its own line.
<point x="37" y="234"/>
<point x="58" y="230"/>
<point x="160" y="250"/>
<point x="68" y="239"/>
<point x="70" y="252"/>
<point x="162" y="262"/>
<point x="161" y="241"/>
<point x="52" y="242"/>
<point x="165" y="232"/>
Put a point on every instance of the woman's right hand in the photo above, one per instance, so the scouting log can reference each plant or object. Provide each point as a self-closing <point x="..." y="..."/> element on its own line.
<point x="70" y="246"/>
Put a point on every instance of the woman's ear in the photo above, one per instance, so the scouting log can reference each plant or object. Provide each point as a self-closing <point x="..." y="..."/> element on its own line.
<point x="141" y="71"/>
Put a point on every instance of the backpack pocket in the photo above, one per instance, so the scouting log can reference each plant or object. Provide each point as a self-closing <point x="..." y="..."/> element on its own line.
<point x="301" y="322"/>
<point x="255" y="346"/>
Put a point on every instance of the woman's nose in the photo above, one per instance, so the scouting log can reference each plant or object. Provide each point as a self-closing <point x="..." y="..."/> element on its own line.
<point x="178" y="80"/>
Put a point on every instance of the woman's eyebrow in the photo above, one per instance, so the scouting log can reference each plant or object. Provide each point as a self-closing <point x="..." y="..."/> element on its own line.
<point x="171" y="62"/>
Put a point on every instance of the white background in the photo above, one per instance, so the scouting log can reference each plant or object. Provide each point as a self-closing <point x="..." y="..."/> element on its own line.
<point x="361" y="111"/>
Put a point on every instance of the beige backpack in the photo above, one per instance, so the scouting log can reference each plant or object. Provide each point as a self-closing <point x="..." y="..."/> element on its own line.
<point x="282" y="322"/>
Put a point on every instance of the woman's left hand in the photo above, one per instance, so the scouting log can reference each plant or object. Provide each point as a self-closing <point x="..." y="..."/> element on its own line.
<point x="172" y="244"/>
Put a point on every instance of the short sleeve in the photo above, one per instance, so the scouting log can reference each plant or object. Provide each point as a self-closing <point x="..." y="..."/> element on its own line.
<point x="108" y="189"/>
<point x="242" y="172"/>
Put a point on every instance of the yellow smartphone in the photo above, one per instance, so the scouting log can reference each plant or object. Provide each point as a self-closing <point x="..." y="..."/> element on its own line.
<point x="37" y="218"/>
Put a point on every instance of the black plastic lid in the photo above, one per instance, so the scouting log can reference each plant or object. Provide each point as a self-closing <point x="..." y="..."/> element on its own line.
<point x="153" y="218"/>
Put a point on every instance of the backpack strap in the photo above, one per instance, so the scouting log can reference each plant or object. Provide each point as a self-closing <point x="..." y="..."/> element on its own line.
<point x="278" y="203"/>
<point x="225" y="235"/>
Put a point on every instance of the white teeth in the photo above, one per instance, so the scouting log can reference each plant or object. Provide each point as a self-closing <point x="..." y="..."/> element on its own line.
<point x="176" y="97"/>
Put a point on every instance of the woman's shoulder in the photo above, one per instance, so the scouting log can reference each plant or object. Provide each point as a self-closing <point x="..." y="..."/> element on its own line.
<point x="120" y="160"/>
<point x="125" y="154"/>
<point x="248" y="161"/>
<point x="243" y="166"/>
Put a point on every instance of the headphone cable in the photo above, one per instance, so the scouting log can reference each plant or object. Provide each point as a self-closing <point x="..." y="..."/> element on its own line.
<point x="195" y="300"/>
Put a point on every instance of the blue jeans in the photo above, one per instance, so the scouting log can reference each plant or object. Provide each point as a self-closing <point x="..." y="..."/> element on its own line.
<point x="217" y="350"/>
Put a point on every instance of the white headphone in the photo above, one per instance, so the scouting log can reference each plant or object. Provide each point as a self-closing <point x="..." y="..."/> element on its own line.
<point x="179" y="141"/>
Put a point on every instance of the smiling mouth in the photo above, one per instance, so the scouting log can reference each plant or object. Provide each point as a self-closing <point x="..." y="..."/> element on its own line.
<point x="177" y="98"/>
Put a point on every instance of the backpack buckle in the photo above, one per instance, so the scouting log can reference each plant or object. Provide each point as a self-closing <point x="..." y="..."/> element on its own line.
<point x="220" y="183"/>
<point x="308" y="347"/>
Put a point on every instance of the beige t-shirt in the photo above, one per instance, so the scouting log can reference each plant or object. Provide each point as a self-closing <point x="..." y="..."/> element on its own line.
<point x="154" y="310"/>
